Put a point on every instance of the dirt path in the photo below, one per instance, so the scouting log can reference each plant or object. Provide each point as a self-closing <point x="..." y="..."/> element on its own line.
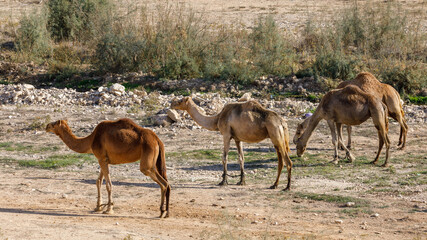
<point x="57" y="204"/>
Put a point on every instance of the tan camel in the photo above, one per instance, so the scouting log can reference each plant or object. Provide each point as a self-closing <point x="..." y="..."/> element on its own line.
<point x="390" y="97"/>
<point x="350" y="106"/>
<point x="117" y="142"/>
<point x="244" y="122"/>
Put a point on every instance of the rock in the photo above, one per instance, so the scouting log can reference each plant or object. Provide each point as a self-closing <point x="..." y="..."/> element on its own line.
<point x="173" y="115"/>
<point x="162" y="120"/>
<point x="28" y="86"/>
<point x="245" y="97"/>
<point x="349" y="204"/>
<point x="375" y="215"/>
<point x="117" y="89"/>
<point x="339" y="221"/>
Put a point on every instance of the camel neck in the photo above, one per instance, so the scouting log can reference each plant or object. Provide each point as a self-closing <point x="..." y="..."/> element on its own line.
<point x="77" y="144"/>
<point x="208" y="122"/>
<point x="312" y="124"/>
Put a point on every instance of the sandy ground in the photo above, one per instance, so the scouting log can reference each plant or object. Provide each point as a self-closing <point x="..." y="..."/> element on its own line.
<point x="58" y="204"/>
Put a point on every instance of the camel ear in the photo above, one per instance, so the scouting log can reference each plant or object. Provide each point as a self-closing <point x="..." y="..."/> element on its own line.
<point x="186" y="99"/>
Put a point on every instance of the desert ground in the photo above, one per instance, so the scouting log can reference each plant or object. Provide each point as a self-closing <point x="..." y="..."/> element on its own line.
<point x="36" y="203"/>
<point x="346" y="201"/>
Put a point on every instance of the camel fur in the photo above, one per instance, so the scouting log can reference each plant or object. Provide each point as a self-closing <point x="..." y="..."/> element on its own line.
<point x="388" y="95"/>
<point x="117" y="142"/>
<point x="351" y="106"/>
<point x="245" y="121"/>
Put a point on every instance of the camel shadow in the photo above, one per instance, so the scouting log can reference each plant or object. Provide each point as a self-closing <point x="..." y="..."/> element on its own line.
<point x="120" y="183"/>
<point x="57" y="213"/>
<point x="264" y="163"/>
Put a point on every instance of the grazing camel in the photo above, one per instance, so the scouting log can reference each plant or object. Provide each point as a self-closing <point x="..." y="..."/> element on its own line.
<point x="389" y="96"/>
<point x="117" y="142"/>
<point x="351" y="106"/>
<point x="248" y="122"/>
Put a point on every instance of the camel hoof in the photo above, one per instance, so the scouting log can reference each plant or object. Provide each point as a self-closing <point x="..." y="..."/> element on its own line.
<point x="374" y="162"/>
<point x="287" y="189"/>
<point x="223" y="183"/>
<point x="384" y="165"/>
<point x="351" y="158"/>
<point x="401" y="148"/>
<point x="109" y="211"/>
<point x="164" y="214"/>
<point x="242" y="183"/>
<point x="273" y="187"/>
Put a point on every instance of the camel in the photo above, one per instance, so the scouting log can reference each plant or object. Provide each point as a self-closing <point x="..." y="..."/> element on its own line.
<point x="245" y="121"/>
<point x="351" y="106"/>
<point x="117" y="142"/>
<point x="389" y="96"/>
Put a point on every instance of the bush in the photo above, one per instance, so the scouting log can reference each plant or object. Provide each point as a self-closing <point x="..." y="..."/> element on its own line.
<point x="407" y="80"/>
<point x="33" y="37"/>
<point x="77" y="19"/>
<point x="120" y="53"/>
<point x="269" y="51"/>
<point x="334" y="65"/>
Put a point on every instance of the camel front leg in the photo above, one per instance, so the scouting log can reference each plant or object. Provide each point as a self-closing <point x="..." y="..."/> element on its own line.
<point x="349" y="137"/>
<point x="241" y="162"/>
<point x="99" y="205"/>
<point x="348" y="153"/>
<point x="334" y="140"/>
<point x="106" y="172"/>
<point x="224" y="160"/>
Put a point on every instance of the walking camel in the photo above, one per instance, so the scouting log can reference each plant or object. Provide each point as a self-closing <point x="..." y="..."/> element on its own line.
<point x="389" y="96"/>
<point x="247" y="122"/>
<point x="117" y="142"/>
<point x="351" y="106"/>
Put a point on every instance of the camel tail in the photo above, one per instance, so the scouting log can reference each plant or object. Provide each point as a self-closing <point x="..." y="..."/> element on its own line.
<point x="286" y="136"/>
<point x="161" y="161"/>
<point x="385" y="115"/>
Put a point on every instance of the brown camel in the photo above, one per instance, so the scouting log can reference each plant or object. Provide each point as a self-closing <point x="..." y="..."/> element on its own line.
<point x="248" y="122"/>
<point x="389" y="96"/>
<point x="351" y="106"/>
<point x="117" y="142"/>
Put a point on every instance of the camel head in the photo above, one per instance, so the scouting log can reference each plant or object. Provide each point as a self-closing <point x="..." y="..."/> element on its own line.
<point x="54" y="126"/>
<point x="180" y="104"/>
<point x="300" y="148"/>
<point x="297" y="137"/>
<point x="300" y="129"/>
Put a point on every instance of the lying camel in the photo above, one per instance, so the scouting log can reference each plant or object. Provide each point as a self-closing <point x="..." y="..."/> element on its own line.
<point x="351" y="106"/>
<point x="248" y="122"/>
<point x="117" y="142"/>
<point x="389" y="96"/>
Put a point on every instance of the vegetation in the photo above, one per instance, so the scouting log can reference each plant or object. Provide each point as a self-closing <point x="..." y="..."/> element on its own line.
<point x="57" y="161"/>
<point x="179" y="44"/>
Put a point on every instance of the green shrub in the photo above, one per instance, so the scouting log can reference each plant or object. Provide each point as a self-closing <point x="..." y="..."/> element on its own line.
<point x="269" y="51"/>
<point x="406" y="79"/>
<point x="77" y="19"/>
<point x="334" y="65"/>
<point x="32" y="36"/>
<point x="120" y="53"/>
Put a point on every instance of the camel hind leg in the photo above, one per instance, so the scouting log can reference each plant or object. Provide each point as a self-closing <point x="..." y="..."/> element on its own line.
<point x="403" y="131"/>
<point x="280" y="165"/>
<point x="148" y="168"/>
